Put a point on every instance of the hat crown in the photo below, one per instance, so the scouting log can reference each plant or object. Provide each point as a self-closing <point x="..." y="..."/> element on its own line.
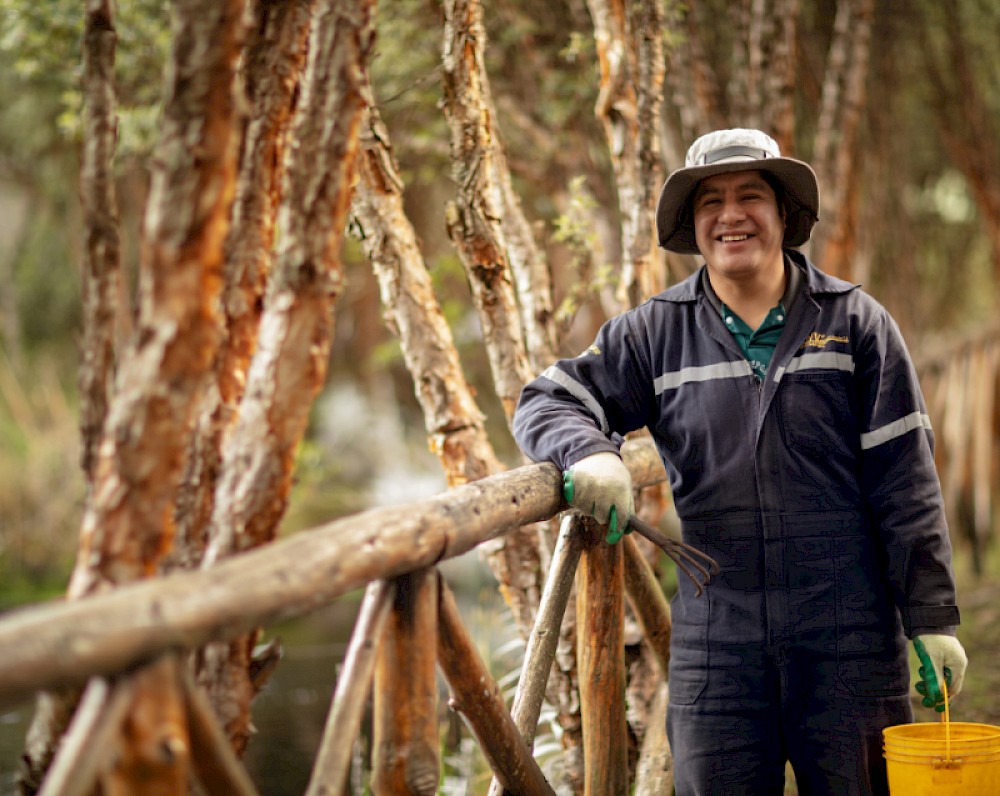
<point x="723" y="146"/>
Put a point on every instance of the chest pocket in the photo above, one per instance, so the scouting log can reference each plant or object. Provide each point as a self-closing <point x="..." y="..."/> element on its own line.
<point x="817" y="416"/>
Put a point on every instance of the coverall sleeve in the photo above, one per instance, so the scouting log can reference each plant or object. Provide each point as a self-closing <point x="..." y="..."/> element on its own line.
<point x="900" y="482"/>
<point x="583" y="405"/>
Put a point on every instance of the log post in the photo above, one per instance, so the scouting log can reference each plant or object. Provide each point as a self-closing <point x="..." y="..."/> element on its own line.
<point x="540" y="651"/>
<point x="654" y="774"/>
<point x="652" y="611"/>
<point x="215" y="763"/>
<point x="334" y="759"/>
<point x="600" y="609"/>
<point x="405" y="733"/>
<point x="477" y="697"/>
<point x="91" y="733"/>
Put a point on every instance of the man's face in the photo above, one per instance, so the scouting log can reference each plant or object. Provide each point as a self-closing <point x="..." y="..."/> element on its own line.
<point x="737" y="224"/>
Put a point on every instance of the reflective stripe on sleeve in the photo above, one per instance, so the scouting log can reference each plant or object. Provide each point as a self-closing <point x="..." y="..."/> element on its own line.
<point x="581" y="393"/>
<point x="822" y="360"/>
<point x="896" y="428"/>
<point x="722" y="370"/>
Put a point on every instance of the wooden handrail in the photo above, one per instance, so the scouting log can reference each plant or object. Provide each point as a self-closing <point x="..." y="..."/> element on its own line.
<point x="62" y="644"/>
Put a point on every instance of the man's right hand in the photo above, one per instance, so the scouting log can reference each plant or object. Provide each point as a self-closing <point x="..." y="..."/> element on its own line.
<point x="601" y="485"/>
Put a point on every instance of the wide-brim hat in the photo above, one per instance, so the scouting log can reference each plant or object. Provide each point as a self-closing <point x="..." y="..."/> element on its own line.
<point x="735" y="150"/>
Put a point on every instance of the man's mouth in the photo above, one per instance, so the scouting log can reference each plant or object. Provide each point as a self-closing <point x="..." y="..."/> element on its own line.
<point x="734" y="238"/>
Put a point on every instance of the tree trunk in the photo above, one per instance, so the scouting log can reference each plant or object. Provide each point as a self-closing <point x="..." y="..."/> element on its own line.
<point x="474" y="225"/>
<point x="273" y="62"/>
<point x="835" y="157"/>
<point x="102" y="254"/>
<point x="127" y="526"/>
<point x="452" y="418"/>
<point x="272" y="65"/>
<point x="630" y="56"/>
<point x="781" y="78"/>
<point x="289" y="367"/>
<point x="474" y="218"/>
<point x="966" y="124"/>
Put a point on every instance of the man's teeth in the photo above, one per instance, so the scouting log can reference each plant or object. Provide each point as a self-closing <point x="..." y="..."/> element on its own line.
<point x="733" y="238"/>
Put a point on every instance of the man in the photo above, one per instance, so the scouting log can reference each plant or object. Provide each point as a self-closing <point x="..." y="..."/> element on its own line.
<point x="799" y="452"/>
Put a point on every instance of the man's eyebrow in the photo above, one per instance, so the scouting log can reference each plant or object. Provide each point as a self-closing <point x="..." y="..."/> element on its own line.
<point x="758" y="183"/>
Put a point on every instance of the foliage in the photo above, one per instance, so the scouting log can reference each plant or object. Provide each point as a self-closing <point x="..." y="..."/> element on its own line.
<point x="574" y="230"/>
<point x="39" y="40"/>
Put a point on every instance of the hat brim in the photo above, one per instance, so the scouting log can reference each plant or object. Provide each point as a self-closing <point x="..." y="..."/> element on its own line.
<point x="674" y="221"/>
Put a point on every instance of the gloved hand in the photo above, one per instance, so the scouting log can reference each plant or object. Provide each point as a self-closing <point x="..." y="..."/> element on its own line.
<point x="601" y="485"/>
<point x="940" y="656"/>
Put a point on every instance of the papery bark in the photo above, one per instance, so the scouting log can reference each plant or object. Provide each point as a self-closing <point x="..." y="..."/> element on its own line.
<point x="289" y="367"/>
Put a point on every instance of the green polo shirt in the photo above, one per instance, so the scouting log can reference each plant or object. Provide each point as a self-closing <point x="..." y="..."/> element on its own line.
<point x="757" y="344"/>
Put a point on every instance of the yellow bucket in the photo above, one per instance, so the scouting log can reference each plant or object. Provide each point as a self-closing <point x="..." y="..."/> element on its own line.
<point x="952" y="758"/>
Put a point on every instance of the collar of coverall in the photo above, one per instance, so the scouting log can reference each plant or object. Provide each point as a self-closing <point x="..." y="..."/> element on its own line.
<point x="793" y="283"/>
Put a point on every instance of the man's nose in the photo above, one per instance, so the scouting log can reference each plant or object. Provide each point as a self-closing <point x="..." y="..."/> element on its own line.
<point x="731" y="210"/>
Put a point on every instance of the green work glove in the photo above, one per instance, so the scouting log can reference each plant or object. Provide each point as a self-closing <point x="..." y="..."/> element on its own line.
<point x="601" y="485"/>
<point x="940" y="656"/>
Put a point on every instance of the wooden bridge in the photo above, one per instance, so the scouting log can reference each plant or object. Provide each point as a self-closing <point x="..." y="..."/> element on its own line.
<point x="104" y="642"/>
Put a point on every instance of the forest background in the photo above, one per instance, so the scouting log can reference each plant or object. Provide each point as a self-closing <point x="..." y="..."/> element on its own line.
<point x="897" y="104"/>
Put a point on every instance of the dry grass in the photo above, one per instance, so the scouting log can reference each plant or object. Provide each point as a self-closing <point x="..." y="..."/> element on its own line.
<point x="41" y="485"/>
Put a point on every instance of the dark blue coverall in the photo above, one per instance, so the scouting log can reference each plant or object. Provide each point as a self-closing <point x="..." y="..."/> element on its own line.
<point x="816" y="493"/>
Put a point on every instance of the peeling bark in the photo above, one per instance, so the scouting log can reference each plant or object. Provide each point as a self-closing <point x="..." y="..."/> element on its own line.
<point x="452" y="418"/>
<point x="473" y="223"/>
<point x="289" y="367"/>
<point x="474" y="218"/>
<point x="630" y="56"/>
<point x="272" y="66"/>
<point x="273" y="62"/>
<point x="127" y="526"/>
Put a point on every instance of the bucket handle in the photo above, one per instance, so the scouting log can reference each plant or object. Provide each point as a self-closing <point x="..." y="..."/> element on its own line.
<point x="946" y="718"/>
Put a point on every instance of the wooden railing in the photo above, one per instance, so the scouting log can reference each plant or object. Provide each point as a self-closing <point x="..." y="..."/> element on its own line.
<point x="100" y="641"/>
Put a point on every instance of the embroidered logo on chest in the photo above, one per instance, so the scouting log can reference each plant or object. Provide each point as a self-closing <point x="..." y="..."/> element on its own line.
<point x="817" y="340"/>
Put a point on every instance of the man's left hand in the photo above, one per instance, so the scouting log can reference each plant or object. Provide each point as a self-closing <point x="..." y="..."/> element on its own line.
<point x="940" y="656"/>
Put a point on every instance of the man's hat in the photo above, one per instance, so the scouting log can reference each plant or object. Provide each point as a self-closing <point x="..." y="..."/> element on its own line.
<point x="735" y="150"/>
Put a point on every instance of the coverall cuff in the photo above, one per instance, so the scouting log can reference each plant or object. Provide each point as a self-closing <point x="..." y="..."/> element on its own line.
<point x="937" y="631"/>
<point x="926" y="617"/>
<point x="604" y="446"/>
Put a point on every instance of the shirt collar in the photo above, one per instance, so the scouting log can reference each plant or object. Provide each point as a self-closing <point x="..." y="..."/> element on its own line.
<point x="793" y="284"/>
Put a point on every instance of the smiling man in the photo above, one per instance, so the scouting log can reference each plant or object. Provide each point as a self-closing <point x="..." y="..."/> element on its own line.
<point x="787" y="412"/>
